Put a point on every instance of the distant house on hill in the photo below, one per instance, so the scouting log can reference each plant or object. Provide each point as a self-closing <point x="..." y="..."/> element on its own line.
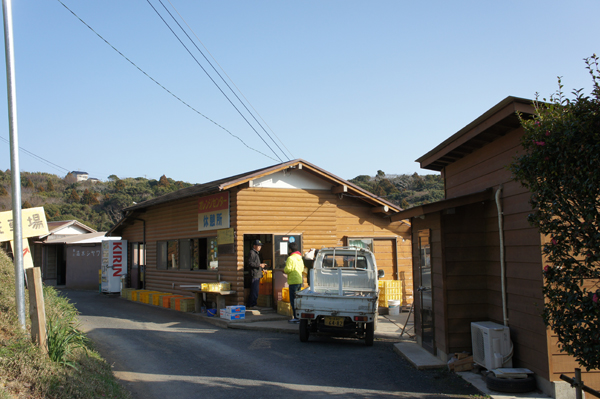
<point x="80" y="176"/>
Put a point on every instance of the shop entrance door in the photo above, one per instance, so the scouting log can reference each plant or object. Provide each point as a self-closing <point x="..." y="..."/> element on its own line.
<point x="281" y="251"/>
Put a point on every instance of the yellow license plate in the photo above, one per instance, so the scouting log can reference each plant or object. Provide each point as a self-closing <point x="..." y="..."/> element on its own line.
<point x="334" y="321"/>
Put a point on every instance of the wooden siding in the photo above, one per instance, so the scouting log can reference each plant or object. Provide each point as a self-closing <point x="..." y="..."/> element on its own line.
<point x="480" y="170"/>
<point x="322" y="218"/>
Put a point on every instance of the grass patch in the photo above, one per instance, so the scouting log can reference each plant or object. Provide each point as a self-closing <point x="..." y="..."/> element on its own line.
<point x="73" y="369"/>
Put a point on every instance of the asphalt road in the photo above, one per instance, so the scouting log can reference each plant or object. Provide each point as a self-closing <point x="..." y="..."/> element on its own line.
<point x="159" y="353"/>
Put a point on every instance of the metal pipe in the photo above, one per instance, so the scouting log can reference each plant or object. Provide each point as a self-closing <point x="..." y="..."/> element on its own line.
<point x="14" y="162"/>
<point x="502" y="261"/>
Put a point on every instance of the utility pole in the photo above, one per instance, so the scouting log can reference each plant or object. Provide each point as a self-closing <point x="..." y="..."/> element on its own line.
<point x="14" y="162"/>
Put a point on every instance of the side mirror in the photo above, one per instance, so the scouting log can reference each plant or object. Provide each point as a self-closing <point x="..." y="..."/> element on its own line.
<point x="380" y="273"/>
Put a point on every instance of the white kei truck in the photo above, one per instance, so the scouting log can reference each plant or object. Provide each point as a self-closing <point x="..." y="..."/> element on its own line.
<point x="343" y="296"/>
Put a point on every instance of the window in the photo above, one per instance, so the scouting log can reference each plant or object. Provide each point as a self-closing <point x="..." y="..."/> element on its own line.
<point x="167" y="255"/>
<point x="349" y="261"/>
<point x="188" y="254"/>
<point x="366" y="243"/>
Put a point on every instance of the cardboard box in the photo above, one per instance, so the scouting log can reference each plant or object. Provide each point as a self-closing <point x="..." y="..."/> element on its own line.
<point x="234" y="316"/>
<point x="236" y="309"/>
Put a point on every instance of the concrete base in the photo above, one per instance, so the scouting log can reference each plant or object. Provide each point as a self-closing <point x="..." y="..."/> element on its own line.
<point x="417" y="356"/>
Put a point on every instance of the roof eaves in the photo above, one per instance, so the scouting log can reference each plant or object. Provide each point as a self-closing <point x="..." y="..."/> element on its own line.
<point x="508" y="106"/>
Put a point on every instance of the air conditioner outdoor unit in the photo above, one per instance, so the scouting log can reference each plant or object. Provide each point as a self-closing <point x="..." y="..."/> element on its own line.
<point x="492" y="347"/>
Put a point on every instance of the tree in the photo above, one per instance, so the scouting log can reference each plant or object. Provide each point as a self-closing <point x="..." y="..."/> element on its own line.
<point x="560" y="168"/>
<point x="3" y="191"/>
<point x="163" y="181"/>
<point x="50" y="186"/>
<point x="74" y="197"/>
<point x="70" y="178"/>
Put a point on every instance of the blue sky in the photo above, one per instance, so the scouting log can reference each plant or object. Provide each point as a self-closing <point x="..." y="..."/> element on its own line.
<point x="351" y="86"/>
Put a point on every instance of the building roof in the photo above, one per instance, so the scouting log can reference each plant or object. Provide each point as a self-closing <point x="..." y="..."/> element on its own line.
<point x="495" y="123"/>
<point x="340" y="186"/>
<point x="89" y="238"/>
<point x="57" y="226"/>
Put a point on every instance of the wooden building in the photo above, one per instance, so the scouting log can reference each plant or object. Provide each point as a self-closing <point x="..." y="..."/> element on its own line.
<point x="462" y="244"/>
<point x="203" y="234"/>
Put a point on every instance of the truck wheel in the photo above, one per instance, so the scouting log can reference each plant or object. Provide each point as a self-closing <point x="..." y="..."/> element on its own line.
<point x="369" y="333"/>
<point x="304" y="332"/>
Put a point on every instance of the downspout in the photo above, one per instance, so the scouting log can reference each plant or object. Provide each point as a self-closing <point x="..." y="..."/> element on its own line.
<point x="502" y="261"/>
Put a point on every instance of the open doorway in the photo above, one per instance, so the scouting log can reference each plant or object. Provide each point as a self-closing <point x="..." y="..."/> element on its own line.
<point x="274" y="253"/>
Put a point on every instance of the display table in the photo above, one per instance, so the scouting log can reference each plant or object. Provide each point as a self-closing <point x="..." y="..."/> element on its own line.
<point x="200" y="296"/>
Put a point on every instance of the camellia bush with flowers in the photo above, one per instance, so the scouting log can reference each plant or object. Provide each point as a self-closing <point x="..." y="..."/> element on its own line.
<point x="561" y="168"/>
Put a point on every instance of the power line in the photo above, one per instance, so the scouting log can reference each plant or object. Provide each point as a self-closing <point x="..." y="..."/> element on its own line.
<point x="217" y="72"/>
<point x="210" y="77"/>
<point x="231" y="80"/>
<point x="51" y="164"/>
<point x="161" y="86"/>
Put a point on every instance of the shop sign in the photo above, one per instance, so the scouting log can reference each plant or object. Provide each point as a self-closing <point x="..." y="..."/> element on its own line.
<point x="33" y="220"/>
<point x="213" y="212"/>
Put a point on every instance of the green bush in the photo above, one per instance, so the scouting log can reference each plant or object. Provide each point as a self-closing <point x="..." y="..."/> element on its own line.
<point x="560" y="168"/>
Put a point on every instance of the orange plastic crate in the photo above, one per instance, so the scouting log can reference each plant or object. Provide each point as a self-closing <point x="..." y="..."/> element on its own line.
<point x="166" y="300"/>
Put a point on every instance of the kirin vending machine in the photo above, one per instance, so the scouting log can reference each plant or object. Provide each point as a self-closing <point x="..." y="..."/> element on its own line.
<point x="114" y="264"/>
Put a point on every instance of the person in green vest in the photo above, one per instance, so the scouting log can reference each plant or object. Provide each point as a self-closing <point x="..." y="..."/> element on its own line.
<point x="294" y="266"/>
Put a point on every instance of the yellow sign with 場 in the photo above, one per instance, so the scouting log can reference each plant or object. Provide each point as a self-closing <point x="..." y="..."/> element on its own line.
<point x="34" y="224"/>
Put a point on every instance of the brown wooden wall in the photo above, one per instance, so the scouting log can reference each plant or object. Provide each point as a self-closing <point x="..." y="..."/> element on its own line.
<point x="473" y="254"/>
<point x="323" y="219"/>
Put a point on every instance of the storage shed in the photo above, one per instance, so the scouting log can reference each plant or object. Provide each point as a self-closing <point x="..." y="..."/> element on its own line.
<point x="462" y="244"/>
<point x="203" y="233"/>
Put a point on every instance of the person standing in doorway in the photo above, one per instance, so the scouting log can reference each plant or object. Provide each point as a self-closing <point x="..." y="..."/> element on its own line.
<point x="256" y="272"/>
<point x="294" y="266"/>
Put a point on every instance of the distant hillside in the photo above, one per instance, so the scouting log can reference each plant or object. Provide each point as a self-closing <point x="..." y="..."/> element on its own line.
<point x="405" y="191"/>
<point x="99" y="204"/>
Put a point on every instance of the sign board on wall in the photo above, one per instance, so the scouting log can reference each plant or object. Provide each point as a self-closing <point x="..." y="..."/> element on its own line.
<point x="213" y="212"/>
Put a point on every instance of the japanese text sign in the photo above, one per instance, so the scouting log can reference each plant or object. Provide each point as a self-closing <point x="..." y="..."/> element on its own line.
<point x="34" y="223"/>
<point x="213" y="212"/>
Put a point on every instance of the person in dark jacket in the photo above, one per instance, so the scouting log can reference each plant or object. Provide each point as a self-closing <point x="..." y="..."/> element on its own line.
<point x="256" y="272"/>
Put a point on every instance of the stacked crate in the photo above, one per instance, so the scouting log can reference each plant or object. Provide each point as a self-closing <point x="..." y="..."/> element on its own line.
<point x="265" y="290"/>
<point x="389" y="290"/>
<point x="154" y="298"/>
<point x="166" y="300"/>
<point x="135" y="295"/>
<point x="183" y="304"/>
<point x="145" y="296"/>
<point x="125" y="291"/>
<point x="265" y="301"/>
<point x="284" y="308"/>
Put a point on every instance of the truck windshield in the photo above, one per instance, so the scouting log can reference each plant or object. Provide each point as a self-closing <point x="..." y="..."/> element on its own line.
<point x="349" y="261"/>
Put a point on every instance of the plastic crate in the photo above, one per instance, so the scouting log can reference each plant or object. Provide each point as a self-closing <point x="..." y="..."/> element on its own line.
<point x="157" y="298"/>
<point x="284" y="308"/>
<point x="285" y="294"/>
<point x="267" y="276"/>
<point x="185" y="304"/>
<point x="166" y="300"/>
<point x="265" y="288"/>
<point x="265" y="301"/>
<point x="176" y="302"/>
